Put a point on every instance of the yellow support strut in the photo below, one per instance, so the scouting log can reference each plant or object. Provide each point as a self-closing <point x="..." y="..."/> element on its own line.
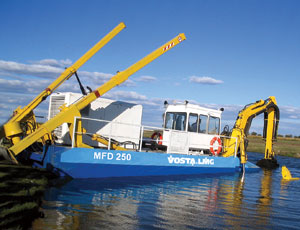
<point x="101" y="140"/>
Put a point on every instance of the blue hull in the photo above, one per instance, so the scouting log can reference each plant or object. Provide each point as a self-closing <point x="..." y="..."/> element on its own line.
<point x="100" y="163"/>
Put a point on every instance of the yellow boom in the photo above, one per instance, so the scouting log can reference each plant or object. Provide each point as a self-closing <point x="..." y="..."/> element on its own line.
<point x="12" y="128"/>
<point x="68" y="113"/>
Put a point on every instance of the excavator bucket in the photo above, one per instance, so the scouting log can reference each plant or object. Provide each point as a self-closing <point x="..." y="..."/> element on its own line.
<point x="268" y="163"/>
<point x="286" y="174"/>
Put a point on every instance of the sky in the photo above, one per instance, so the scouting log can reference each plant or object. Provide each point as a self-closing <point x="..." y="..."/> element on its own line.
<point x="236" y="53"/>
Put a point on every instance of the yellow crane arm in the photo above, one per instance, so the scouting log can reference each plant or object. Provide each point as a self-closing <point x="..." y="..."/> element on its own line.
<point x="67" y="114"/>
<point x="12" y="127"/>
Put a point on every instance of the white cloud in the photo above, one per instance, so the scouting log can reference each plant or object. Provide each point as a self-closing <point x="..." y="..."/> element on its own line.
<point x="23" y="85"/>
<point x="127" y="95"/>
<point x="146" y="79"/>
<point x="290" y="112"/>
<point x="36" y="70"/>
<point x="53" y="62"/>
<point x="294" y="117"/>
<point x="205" y="80"/>
<point x="95" y="75"/>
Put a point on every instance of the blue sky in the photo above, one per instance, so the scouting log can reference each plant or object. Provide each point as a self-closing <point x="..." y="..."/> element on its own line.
<point x="236" y="52"/>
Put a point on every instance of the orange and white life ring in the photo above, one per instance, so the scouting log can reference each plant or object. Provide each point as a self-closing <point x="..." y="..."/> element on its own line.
<point x="212" y="142"/>
<point x="157" y="136"/>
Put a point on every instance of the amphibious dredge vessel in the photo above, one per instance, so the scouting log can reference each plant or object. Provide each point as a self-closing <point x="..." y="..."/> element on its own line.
<point x="190" y="141"/>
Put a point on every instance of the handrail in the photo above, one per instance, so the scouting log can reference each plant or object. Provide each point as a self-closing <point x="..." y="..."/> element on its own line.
<point x="142" y="129"/>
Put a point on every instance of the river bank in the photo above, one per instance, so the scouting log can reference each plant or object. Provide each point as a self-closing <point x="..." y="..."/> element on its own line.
<point x="21" y="191"/>
<point x="283" y="146"/>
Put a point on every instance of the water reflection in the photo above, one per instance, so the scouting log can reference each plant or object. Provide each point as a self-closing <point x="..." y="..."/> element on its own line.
<point x="153" y="202"/>
<point x="231" y="197"/>
<point x="207" y="202"/>
<point x="264" y="203"/>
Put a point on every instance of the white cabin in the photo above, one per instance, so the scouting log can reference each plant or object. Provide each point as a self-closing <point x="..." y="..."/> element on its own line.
<point x="189" y="128"/>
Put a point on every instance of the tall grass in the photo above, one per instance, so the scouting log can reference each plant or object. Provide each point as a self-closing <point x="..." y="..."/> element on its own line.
<point x="283" y="146"/>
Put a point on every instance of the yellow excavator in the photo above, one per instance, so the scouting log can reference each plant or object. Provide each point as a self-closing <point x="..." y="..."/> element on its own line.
<point x="19" y="140"/>
<point x="241" y="129"/>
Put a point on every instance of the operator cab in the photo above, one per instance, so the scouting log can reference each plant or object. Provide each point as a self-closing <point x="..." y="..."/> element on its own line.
<point x="190" y="128"/>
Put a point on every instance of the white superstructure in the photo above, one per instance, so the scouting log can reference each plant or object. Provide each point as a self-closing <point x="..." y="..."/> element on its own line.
<point x="126" y="117"/>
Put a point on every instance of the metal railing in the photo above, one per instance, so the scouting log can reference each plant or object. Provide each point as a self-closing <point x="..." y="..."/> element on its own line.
<point x="142" y="134"/>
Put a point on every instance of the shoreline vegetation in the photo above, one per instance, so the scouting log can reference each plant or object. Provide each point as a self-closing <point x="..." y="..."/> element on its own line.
<point x="21" y="193"/>
<point x="284" y="146"/>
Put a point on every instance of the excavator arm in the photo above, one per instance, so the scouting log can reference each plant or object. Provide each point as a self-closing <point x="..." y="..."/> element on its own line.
<point x="68" y="114"/>
<point x="12" y="129"/>
<point x="243" y="123"/>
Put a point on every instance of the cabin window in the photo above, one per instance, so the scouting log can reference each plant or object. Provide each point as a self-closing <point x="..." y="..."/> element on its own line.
<point x="175" y="121"/>
<point x="202" y="124"/>
<point x="169" y="120"/>
<point x="214" y="125"/>
<point x="192" y="125"/>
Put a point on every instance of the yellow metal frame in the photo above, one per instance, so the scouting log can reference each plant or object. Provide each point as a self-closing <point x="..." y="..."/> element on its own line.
<point x="101" y="140"/>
